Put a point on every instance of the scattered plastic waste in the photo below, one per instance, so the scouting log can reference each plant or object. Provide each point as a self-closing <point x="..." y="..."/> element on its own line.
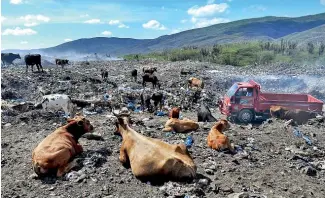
<point x="106" y="97"/>
<point x="307" y="139"/>
<point x="131" y="106"/>
<point x="300" y="135"/>
<point x="18" y="100"/>
<point x="238" y="149"/>
<point x="86" y="112"/>
<point x="161" y="113"/>
<point x="189" y="141"/>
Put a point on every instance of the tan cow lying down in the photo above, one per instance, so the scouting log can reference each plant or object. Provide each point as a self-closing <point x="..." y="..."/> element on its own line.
<point x="180" y="126"/>
<point x="196" y="83"/>
<point x="216" y="139"/>
<point x="54" y="153"/>
<point x="297" y="115"/>
<point x="152" y="159"/>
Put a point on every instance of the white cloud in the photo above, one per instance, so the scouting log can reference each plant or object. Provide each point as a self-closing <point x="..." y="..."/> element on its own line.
<point x="16" y="2"/>
<point x="92" y="21"/>
<point x="31" y="24"/>
<point x="114" y="22"/>
<point x="203" y="22"/>
<point x="322" y="2"/>
<point x="118" y="23"/>
<point x="258" y="7"/>
<point x="153" y="24"/>
<point x="67" y="40"/>
<point x="39" y="17"/>
<point x="34" y="20"/>
<point x="19" y="32"/>
<point x="84" y="15"/>
<point x="207" y="10"/>
<point x="3" y="18"/>
<point x="107" y="33"/>
<point x="183" y="21"/>
<point x="123" y="26"/>
<point x="23" y="42"/>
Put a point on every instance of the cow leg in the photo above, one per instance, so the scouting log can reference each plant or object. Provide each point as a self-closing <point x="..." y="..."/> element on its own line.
<point x="66" y="168"/>
<point x="26" y="68"/>
<point x="124" y="159"/>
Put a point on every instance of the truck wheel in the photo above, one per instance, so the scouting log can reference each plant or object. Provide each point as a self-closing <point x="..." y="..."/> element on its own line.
<point x="245" y="116"/>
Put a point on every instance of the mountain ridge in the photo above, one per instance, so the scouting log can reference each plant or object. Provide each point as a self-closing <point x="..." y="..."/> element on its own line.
<point x="268" y="28"/>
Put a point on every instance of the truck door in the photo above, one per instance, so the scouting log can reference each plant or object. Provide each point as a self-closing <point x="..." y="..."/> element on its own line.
<point x="244" y="98"/>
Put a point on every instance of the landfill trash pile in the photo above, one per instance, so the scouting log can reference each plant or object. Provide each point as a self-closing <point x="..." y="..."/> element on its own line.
<point x="272" y="159"/>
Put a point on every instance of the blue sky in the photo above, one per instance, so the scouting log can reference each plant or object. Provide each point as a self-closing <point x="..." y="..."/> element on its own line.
<point x="29" y="24"/>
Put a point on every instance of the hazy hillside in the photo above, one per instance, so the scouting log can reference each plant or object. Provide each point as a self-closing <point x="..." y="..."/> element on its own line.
<point x="314" y="35"/>
<point x="265" y="28"/>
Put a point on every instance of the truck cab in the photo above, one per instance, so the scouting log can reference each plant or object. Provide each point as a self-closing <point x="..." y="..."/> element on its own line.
<point x="239" y="101"/>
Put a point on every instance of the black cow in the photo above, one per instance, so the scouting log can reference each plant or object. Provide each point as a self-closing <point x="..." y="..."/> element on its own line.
<point x="150" y="78"/>
<point x="134" y="74"/>
<point x="33" y="59"/>
<point x="204" y="114"/>
<point x="104" y="73"/>
<point x="61" y="62"/>
<point x="156" y="97"/>
<point x="8" y="58"/>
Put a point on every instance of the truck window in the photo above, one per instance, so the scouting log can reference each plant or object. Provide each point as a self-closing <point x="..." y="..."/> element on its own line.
<point x="232" y="90"/>
<point x="241" y="92"/>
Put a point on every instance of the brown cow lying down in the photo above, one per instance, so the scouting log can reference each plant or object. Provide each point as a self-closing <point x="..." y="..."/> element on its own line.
<point x="54" y="154"/>
<point x="174" y="112"/>
<point x="152" y="159"/>
<point x="194" y="82"/>
<point x="180" y="126"/>
<point x="216" y="139"/>
<point x="297" y="115"/>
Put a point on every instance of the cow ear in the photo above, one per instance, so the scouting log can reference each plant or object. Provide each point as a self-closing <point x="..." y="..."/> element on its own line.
<point x="69" y="120"/>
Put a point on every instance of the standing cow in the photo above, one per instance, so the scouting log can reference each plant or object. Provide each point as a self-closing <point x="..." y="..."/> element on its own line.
<point x="8" y="58"/>
<point x="33" y="59"/>
<point x="61" y="62"/>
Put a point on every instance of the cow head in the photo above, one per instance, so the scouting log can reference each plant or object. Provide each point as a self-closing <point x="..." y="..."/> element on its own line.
<point x="174" y="112"/>
<point x="79" y="124"/>
<point x="123" y="119"/>
<point x="18" y="56"/>
<point x="277" y="111"/>
<point x="222" y="125"/>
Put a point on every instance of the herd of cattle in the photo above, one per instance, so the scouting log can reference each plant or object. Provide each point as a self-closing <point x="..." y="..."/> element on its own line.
<point x="30" y="60"/>
<point x="150" y="159"/>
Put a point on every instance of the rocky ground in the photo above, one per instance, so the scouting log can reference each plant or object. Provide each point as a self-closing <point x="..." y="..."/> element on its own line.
<point x="270" y="160"/>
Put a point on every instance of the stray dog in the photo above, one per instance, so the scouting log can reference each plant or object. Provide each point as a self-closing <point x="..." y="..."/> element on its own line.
<point x="204" y="114"/>
<point x="53" y="155"/>
<point x="216" y="139"/>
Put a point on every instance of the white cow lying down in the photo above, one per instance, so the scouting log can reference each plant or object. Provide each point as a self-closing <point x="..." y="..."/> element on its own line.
<point x="57" y="102"/>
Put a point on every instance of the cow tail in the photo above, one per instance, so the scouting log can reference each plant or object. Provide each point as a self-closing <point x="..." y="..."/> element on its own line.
<point x="202" y="85"/>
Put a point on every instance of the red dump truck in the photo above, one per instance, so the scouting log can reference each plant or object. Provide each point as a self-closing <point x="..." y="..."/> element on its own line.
<point x="245" y="102"/>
